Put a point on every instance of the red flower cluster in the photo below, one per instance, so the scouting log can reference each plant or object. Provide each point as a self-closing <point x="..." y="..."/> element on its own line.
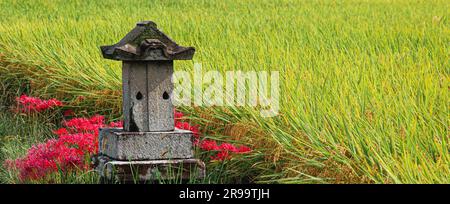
<point x="186" y="126"/>
<point x="90" y="125"/>
<point x="223" y="150"/>
<point x="78" y="139"/>
<point x="27" y="104"/>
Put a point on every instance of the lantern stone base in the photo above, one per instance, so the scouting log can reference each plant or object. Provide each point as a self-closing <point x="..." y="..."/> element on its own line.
<point x="130" y="157"/>
<point x="150" y="171"/>
<point x="125" y="146"/>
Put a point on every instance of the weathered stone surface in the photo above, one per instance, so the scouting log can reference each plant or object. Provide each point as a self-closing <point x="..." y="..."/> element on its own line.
<point x="127" y="146"/>
<point x="152" y="170"/>
<point x="147" y="88"/>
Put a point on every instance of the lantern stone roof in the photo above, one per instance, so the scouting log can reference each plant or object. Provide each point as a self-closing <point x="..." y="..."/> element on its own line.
<point x="146" y="43"/>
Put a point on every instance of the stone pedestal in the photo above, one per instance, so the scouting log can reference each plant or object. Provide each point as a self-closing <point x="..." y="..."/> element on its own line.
<point x="129" y="157"/>
<point x="149" y="171"/>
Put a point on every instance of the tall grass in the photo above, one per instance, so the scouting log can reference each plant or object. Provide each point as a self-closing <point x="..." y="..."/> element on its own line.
<point x="364" y="83"/>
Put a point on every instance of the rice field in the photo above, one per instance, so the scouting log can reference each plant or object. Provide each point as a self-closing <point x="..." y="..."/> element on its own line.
<point x="364" y="84"/>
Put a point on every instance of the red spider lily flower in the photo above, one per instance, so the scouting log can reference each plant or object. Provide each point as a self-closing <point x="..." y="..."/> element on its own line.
<point x="178" y="115"/>
<point x="209" y="145"/>
<point x="228" y="147"/>
<point x="195" y="131"/>
<point x="61" y="131"/>
<point x="85" y="124"/>
<point x="183" y="125"/>
<point x="243" y="149"/>
<point x="118" y="124"/>
<point x="221" y="156"/>
<point x="27" y="104"/>
<point x="224" y="149"/>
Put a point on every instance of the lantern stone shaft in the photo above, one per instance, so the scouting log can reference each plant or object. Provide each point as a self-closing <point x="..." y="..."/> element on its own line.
<point x="147" y="87"/>
<point x="147" y="69"/>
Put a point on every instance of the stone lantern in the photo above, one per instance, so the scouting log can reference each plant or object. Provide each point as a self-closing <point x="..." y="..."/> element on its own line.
<point x="149" y="147"/>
